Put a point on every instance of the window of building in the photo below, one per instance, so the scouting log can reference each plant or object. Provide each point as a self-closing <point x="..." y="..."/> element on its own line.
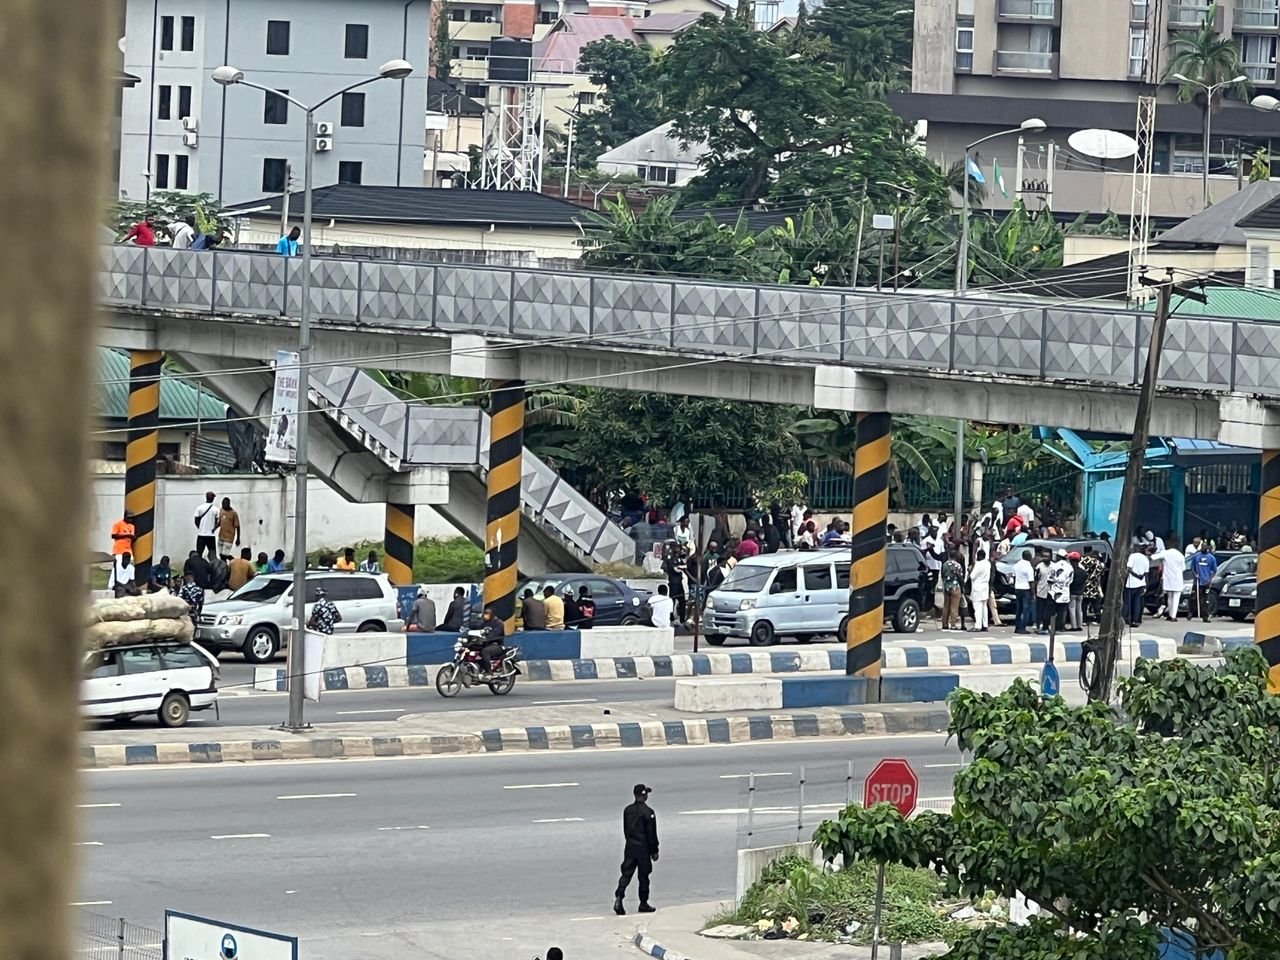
<point x="278" y="38"/>
<point x="482" y="15"/>
<point x="166" y="33"/>
<point x="456" y="52"/>
<point x="181" y="167"/>
<point x="1258" y="57"/>
<point x="273" y="172"/>
<point x="458" y="15"/>
<point x="477" y="53"/>
<point x="549" y="16"/>
<point x="1138" y="10"/>
<point x="275" y="108"/>
<point x="160" y="175"/>
<point x="964" y="46"/>
<point x="1257" y="13"/>
<point x="656" y="173"/>
<point x="188" y="33"/>
<point x="184" y="101"/>
<point x="164" y="102"/>
<point x="353" y="110"/>
<point x="357" y="41"/>
<point x="350" y="171"/>
<point x="586" y="98"/>
<point x="1137" y="51"/>
<point x="476" y="90"/>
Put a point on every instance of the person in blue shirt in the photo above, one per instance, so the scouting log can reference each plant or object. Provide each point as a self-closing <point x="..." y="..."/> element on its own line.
<point x="288" y="246"/>
<point x="276" y="564"/>
<point x="1204" y="565"/>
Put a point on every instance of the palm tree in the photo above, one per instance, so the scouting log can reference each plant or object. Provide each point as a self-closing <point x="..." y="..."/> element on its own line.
<point x="1209" y="59"/>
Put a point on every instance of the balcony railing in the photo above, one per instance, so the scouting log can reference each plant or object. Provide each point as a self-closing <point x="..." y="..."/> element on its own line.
<point x="1264" y="16"/>
<point x="1259" y="72"/>
<point x="1037" y="10"/>
<point x="1190" y="14"/>
<point x="1027" y="61"/>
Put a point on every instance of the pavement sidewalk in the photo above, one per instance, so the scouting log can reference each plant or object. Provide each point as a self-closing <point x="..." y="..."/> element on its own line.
<point x="568" y="727"/>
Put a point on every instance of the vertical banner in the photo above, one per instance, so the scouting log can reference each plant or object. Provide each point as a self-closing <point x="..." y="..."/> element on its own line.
<point x="282" y="438"/>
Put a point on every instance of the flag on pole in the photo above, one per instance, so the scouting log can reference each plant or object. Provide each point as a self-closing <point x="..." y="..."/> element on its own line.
<point x="999" y="177"/>
<point x="975" y="171"/>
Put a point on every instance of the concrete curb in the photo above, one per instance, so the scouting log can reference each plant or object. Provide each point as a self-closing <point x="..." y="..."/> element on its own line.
<point x="656" y="733"/>
<point x="652" y="948"/>
<point x="935" y="654"/>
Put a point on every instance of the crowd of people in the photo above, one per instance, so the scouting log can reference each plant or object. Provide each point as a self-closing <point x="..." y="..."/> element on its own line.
<point x="183" y="233"/>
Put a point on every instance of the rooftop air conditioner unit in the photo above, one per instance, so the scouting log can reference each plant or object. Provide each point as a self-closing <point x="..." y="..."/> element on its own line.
<point x="191" y="123"/>
<point x="324" y="128"/>
<point x="324" y="144"/>
<point x="191" y="139"/>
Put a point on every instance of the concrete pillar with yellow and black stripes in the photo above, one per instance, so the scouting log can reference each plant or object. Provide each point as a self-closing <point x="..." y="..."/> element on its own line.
<point x="1266" y="625"/>
<point x="870" y="521"/>
<point x="398" y="544"/>
<point x="502" y="529"/>
<point x="140" y="454"/>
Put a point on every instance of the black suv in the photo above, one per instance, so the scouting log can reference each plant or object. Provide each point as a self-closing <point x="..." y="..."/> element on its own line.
<point x="906" y="580"/>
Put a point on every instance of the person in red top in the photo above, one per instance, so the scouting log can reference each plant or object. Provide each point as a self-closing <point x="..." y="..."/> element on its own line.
<point x="143" y="233"/>
<point x="749" y="546"/>
<point x="1014" y="526"/>
<point x="122" y="534"/>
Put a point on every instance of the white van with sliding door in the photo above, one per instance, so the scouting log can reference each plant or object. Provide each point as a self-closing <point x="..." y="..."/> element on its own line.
<point x="803" y="594"/>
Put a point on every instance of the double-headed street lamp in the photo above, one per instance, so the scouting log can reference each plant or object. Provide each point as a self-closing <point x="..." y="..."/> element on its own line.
<point x="1032" y="125"/>
<point x="230" y="76"/>
<point x="1209" y="90"/>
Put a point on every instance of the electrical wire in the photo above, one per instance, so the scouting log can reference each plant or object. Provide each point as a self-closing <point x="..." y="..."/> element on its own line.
<point x="737" y="358"/>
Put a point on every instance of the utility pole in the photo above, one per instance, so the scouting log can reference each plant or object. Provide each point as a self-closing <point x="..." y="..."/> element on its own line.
<point x="1107" y="645"/>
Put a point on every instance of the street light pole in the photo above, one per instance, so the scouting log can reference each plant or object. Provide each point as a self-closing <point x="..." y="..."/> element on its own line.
<point x="1209" y="90"/>
<point x="228" y="76"/>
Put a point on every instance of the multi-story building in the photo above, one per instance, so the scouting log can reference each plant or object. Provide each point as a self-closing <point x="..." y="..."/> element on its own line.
<point x="182" y="131"/>
<point x="984" y="65"/>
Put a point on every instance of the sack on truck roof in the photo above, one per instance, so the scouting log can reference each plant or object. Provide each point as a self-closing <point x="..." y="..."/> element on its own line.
<point x="150" y="606"/>
<point x="119" y="633"/>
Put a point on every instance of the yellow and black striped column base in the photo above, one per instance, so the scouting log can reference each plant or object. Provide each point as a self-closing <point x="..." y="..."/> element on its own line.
<point x="870" y="520"/>
<point x="140" y="455"/>
<point x="502" y="529"/>
<point x="398" y="541"/>
<point x="1266" y="623"/>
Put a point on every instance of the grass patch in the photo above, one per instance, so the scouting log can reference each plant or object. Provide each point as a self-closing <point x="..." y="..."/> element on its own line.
<point x="803" y="899"/>
<point x="455" y="560"/>
<point x="620" y="571"/>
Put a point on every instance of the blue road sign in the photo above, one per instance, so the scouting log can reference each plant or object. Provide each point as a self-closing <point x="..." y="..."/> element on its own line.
<point x="1050" y="682"/>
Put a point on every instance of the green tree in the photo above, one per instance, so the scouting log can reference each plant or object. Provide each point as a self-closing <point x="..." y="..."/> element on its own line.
<point x="870" y="39"/>
<point x="631" y="101"/>
<point x="1261" y="169"/>
<point x="1209" y="58"/>
<point x="1164" y="815"/>
<point x="441" y="44"/>
<point x="673" y="446"/>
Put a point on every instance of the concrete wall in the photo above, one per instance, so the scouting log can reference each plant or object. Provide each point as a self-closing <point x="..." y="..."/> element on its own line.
<point x="1095" y="39"/>
<point x="753" y="863"/>
<point x="933" y="56"/>
<point x="265" y="505"/>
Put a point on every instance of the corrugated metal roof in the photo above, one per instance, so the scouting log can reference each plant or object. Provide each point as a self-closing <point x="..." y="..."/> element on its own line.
<point x="561" y="47"/>
<point x="1231" y="303"/>
<point x="179" y="399"/>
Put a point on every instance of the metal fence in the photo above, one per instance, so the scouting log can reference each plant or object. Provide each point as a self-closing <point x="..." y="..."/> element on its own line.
<point x="786" y="805"/>
<point x="114" y="938"/>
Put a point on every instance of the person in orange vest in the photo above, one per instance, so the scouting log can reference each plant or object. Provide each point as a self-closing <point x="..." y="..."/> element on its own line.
<point x="122" y="534"/>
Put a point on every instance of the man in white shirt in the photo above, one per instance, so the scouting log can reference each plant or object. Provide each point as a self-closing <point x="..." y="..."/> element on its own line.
<point x="206" y="518"/>
<point x="1027" y="514"/>
<point x="123" y="581"/>
<point x="1023" y="574"/>
<point x="1135" y="585"/>
<point x="183" y="233"/>
<point x="661" y="606"/>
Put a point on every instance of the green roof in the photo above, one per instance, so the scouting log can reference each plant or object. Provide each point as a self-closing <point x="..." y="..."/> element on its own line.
<point x="180" y="400"/>
<point x="1230" y="303"/>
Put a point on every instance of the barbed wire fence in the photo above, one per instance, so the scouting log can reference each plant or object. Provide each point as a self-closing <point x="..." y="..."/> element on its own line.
<point x="777" y="807"/>
<point x="114" y="938"/>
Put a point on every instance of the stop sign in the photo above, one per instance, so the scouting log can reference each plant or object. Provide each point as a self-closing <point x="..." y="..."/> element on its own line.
<point x="893" y="781"/>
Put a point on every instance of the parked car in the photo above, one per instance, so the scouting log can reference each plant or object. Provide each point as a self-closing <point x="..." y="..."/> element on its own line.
<point x="167" y="679"/>
<point x="806" y="595"/>
<point x="256" y="618"/>
<point x="617" y="603"/>
<point x="1238" y="597"/>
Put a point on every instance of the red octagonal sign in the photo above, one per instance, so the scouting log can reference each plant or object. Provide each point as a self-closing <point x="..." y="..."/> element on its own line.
<point x="893" y="781"/>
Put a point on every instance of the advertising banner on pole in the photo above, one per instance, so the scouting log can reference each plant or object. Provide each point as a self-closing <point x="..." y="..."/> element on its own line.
<point x="282" y="438"/>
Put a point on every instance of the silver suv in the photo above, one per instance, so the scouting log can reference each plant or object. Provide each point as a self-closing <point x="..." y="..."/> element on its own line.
<point x="256" y="618"/>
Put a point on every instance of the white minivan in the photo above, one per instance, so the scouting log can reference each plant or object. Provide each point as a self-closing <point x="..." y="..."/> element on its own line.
<point x="169" y="679"/>
<point x="802" y="595"/>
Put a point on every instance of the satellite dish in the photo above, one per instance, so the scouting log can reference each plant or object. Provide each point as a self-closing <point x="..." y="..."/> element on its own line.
<point x="1103" y="144"/>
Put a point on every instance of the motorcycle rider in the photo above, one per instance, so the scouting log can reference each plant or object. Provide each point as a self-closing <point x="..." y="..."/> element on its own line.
<point x="494" y="648"/>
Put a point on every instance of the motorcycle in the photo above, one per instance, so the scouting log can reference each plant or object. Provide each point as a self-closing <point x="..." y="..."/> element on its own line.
<point x="468" y="668"/>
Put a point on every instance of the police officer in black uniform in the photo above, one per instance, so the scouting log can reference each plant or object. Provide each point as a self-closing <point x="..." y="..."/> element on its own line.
<point x="640" y="851"/>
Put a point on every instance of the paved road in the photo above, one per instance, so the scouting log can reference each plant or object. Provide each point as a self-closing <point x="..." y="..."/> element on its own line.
<point x="371" y="859"/>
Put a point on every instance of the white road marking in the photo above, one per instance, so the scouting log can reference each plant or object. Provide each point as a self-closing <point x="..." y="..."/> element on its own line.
<point x="349" y="713"/>
<point x="747" y="776"/>
<point x="579" y="919"/>
<point x="90" y="903"/>
<point x="560" y="820"/>
<point x="314" y="796"/>
<point x="241" y="836"/>
<point x="419" y="827"/>
<point x="557" y="703"/>
<point x="96" y="806"/>
<point x="89" y="843"/>
<point x="537" y="786"/>
<point x="943" y="766"/>
<point x="291" y="891"/>
<point x="739" y="811"/>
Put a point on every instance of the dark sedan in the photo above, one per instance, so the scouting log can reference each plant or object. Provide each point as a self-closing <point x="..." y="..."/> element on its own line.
<point x="1238" y="596"/>
<point x="616" y="602"/>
